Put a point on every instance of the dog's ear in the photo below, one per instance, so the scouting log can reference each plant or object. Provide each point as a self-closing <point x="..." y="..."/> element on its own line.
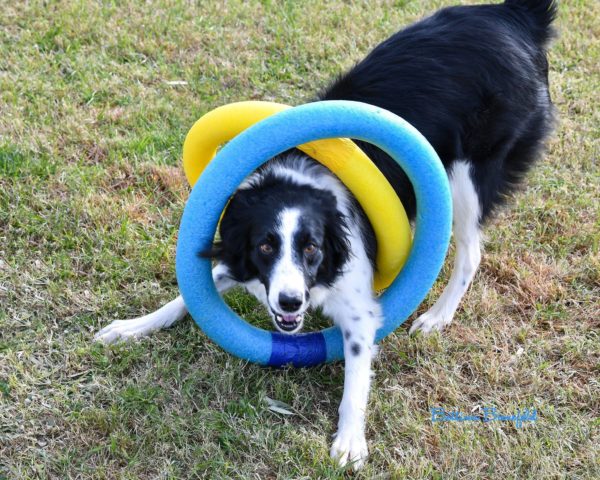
<point x="215" y="252"/>
<point x="233" y="248"/>
<point x="336" y="247"/>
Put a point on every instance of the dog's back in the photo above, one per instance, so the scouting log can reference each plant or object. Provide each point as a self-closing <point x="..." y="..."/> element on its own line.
<point x="474" y="81"/>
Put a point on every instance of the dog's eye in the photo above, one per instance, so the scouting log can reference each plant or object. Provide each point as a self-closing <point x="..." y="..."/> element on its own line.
<point x="266" y="248"/>
<point x="310" y="249"/>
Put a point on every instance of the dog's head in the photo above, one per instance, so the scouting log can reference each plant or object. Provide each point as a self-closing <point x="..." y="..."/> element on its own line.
<point x="290" y="237"/>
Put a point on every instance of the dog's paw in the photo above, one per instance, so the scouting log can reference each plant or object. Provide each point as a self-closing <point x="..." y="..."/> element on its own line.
<point x="121" y="330"/>
<point x="429" y="322"/>
<point x="350" y="447"/>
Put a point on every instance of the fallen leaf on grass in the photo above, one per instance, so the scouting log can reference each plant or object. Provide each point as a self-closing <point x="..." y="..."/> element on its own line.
<point x="175" y="83"/>
<point x="278" y="407"/>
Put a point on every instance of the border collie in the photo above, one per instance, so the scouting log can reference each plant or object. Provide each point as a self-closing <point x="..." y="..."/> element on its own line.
<point x="474" y="81"/>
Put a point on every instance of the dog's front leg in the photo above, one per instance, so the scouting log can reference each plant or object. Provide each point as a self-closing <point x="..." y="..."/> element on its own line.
<point x="164" y="317"/>
<point x="358" y="319"/>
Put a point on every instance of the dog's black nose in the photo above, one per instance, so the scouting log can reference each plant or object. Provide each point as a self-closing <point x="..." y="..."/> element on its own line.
<point x="290" y="303"/>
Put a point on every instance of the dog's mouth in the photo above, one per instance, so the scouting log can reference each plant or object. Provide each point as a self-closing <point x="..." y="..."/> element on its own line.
<point x="288" y="323"/>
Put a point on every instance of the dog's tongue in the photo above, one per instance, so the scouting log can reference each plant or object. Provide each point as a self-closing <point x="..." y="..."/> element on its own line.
<point x="289" y="318"/>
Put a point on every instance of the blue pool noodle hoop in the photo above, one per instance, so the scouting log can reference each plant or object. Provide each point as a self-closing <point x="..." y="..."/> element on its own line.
<point x="268" y="138"/>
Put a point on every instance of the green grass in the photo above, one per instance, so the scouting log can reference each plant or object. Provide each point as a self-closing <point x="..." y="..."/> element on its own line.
<point x="91" y="192"/>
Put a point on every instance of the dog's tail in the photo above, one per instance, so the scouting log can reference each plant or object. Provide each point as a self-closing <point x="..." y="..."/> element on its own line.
<point x="540" y="14"/>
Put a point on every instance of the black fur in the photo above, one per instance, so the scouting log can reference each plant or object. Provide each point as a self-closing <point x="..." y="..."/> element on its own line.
<point x="474" y="81"/>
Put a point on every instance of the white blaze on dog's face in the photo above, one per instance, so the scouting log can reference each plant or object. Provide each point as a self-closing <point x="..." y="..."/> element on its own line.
<point x="287" y="291"/>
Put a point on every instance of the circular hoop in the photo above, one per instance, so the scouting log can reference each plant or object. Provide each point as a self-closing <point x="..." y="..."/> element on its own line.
<point x="342" y="156"/>
<point x="245" y="153"/>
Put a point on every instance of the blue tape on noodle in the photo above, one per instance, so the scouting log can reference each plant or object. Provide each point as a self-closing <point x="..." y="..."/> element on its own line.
<point x="302" y="350"/>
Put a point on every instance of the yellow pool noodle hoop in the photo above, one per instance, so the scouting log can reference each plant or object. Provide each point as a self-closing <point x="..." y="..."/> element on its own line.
<point x="342" y="156"/>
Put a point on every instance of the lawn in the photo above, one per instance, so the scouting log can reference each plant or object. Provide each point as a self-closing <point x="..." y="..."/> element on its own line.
<point x="95" y="101"/>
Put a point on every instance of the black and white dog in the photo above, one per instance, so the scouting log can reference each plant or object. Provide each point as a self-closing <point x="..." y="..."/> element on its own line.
<point x="474" y="81"/>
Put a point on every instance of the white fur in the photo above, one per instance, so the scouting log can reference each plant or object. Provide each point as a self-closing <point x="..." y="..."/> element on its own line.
<point x="287" y="276"/>
<point x="306" y="172"/>
<point x="467" y="237"/>
<point x="353" y="307"/>
<point x="164" y="317"/>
